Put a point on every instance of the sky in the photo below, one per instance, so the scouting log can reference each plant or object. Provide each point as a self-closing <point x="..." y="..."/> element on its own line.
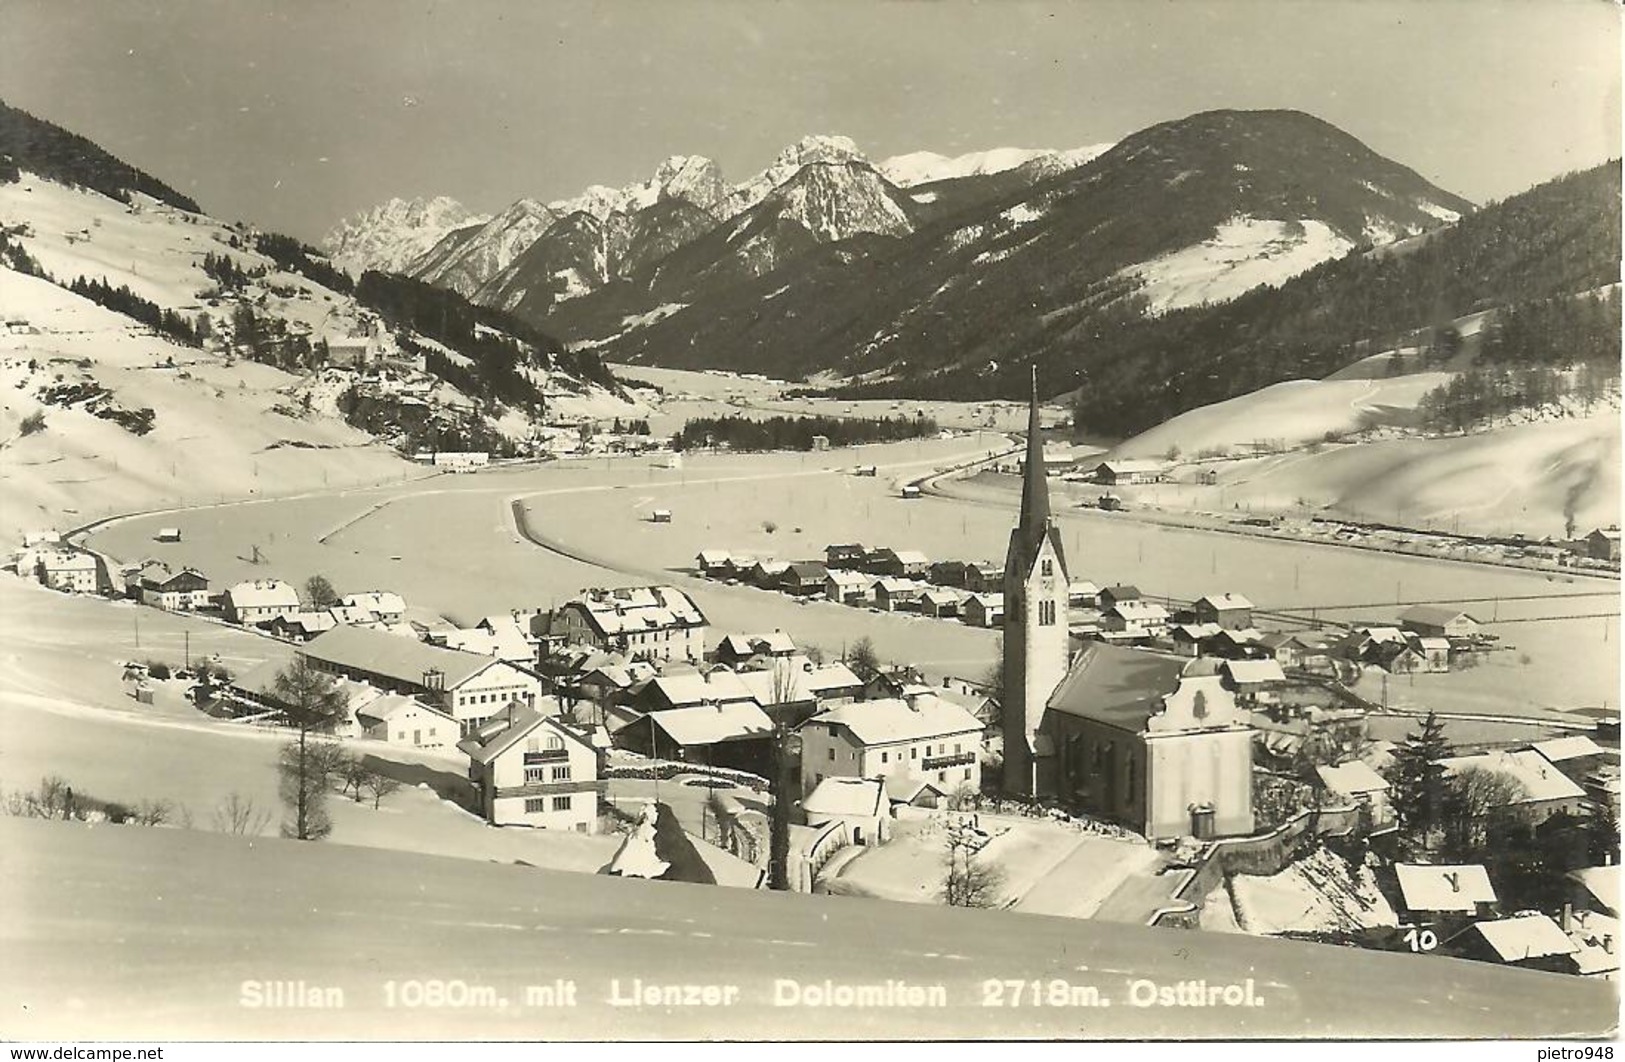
<point x="295" y="113"/>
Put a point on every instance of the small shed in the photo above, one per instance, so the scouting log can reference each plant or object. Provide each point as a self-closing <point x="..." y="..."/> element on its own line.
<point x="168" y="534"/>
<point x="660" y="516"/>
<point x="911" y="491"/>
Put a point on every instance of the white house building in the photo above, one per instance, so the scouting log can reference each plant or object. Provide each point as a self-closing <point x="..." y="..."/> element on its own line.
<point x="260" y="601"/>
<point x="920" y="737"/>
<point x="397" y="719"/>
<point x="69" y="570"/>
<point x="653" y="622"/>
<point x="532" y="769"/>
<point x="385" y="605"/>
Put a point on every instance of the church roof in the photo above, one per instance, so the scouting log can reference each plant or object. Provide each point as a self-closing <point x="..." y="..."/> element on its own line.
<point x="1121" y="687"/>
<point x="1034" y="523"/>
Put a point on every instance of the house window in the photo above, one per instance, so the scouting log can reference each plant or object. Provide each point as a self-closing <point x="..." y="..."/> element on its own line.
<point x="956" y="748"/>
<point x="554" y="742"/>
<point x="832" y="755"/>
<point x="534" y="774"/>
<point x="536" y="806"/>
<point x="883" y="757"/>
<point x="561" y="803"/>
<point x="561" y="774"/>
<point x="913" y="754"/>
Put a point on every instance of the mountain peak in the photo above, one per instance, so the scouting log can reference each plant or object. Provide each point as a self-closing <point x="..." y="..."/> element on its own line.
<point x="395" y="232"/>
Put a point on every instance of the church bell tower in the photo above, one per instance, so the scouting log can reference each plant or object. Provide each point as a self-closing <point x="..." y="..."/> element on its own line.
<point x="1037" y="645"/>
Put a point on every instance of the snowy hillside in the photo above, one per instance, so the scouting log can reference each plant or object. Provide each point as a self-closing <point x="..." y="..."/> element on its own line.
<point x="1243" y="254"/>
<point x="395" y="233"/>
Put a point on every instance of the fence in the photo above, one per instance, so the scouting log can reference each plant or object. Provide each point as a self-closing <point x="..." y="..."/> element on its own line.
<point x="1265" y="853"/>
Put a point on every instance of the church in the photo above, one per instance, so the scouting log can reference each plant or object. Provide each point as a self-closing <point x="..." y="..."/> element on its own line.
<point x="1154" y="742"/>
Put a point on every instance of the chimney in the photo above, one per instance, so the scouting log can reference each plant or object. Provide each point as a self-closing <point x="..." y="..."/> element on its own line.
<point x="1568" y="918"/>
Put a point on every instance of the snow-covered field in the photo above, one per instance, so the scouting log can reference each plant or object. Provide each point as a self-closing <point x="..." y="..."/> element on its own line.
<point x="1243" y="254"/>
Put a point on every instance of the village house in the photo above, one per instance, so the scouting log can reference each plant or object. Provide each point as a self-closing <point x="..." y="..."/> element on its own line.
<point x="185" y="591"/>
<point x="686" y="688"/>
<point x="714" y="563"/>
<point x="1112" y="596"/>
<point x="530" y="769"/>
<point x="1189" y="639"/>
<point x="897" y="595"/>
<point x="385" y="606"/>
<point x="1367" y="644"/>
<point x="735" y="734"/>
<point x="860" y="805"/>
<point x="260" y="601"/>
<point x="406" y="721"/>
<point x="1228" y="610"/>
<point x="1435" y="621"/>
<point x="654" y="622"/>
<point x="1301" y="651"/>
<point x="1356" y="783"/>
<point x="505" y="643"/>
<point x="1121" y="472"/>
<point x="1081" y="593"/>
<point x="1232" y="644"/>
<point x="1603" y="544"/>
<point x="1433" y="652"/>
<point x="1444" y="894"/>
<point x="983" y="610"/>
<point x="302" y="626"/>
<point x="921" y="737"/>
<point x="850" y="556"/>
<point x="803" y="578"/>
<point x="1136" y="615"/>
<point x="847" y="588"/>
<point x="765" y="573"/>
<point x="899" y="564"/>
<point x="1577" y="756"/>
<point x="1250" y="678"/>
<point x="69" y="570"/>
<point x="794" y="688"/>
<point x="948" y="573"/>
<point x="1156" y="743"/>
<point x="471" y="688"/>
<point x="1546" y="791"/>
<point x="984" y="577"/>
<point x="735" y="649"/>
<point x="940" y="602"/>
<point x="1528" y="940"/>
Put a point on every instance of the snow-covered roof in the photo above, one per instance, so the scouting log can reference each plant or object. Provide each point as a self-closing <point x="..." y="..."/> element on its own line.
<point x="1529" y="936"/>
<point x="715" y="556"/>
<point x="1121" y="465"/>
<point x="406" y="660"/>
<point x="1596" y="940"/>
<point x="788" y="682"/>
<point x="503" y="731"/>
<point x="837" y="797"/>
<point x="263" y="593"/>
<point x="1539" y="777"/>
<point x="1082" y="588"/>
<point x="940" y="595"/>
<point x="1224" y="601"/>
<point x="842" y="577"/>
<point x="1254" y="672"/>
<point x="382" y="602"/>
<point x="504" y="644"/>
<point x="1139" y="610"/>
<point x="774" y="643"/>
<point x="1444" y="887"/>
<point x="383" y="708"/>
<point x="1568" y="748"/>
<point x="888" y="720"/>
<point x="893" y="585"/>
<point x="352" y="614"/>
<point x="638" y="609"/>
<point x="1194" y="632"/>
<point x="1602" y="883"/>
<point x="707" y="724"/>
<point x="1433" y="615"/>
<point x="910" y="556"/>
<point x="1352" y="778"/>
<point x="1431" y="644"/>
<point x="1381" y="634"/>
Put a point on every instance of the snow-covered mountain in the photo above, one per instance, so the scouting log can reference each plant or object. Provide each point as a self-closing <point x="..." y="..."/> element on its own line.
<point x="927" y="167"/>
<point x="395" y="233"/>
<point x="807" y="150"/>
<point x="466" y="258"/>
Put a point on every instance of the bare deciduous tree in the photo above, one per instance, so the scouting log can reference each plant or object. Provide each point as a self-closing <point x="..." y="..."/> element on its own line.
<point x="237" y="814"/>
<point x="968" y="879"/>
<point x="312" y="702"/>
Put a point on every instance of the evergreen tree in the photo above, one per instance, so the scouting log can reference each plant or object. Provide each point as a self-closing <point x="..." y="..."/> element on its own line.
<point x="1419" y="780"/>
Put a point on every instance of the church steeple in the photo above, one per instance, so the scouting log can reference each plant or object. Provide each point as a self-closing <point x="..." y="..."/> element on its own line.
<point x="1034" y="485"/>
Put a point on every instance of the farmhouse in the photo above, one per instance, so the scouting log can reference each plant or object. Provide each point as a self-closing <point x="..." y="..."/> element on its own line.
<point x="504" y="643"/>
<point x="1435" y="621"/>
<point x="302" y="626"/>
<point x="1226" y="610"/>
<point x="897" y="595"/>
<point x="1113" y="596"/>
<point x="948" y="573"/>
<point x="471" y="688"/>
<point x="1297" y="652"/>
<point x="400" y="720"/>
<point x="1252" y="676"/>
<point x="851" y="555"/>
<point x="1136" y="615"/>
<point x="905" y="563"/>
<point x="1434" y="653"/>
<point x="714" y="562"/>
<point x="983" y="610"/>
<point x="69" y="570"/>
<point x="1190" y="638"/>
<point x="1603" y="544"/>
<point x="1529" y="940"/>
<point x="940" y="602"/>
<point x="1081" y="593"/>
<point x="803" y="578"/>
<point x="737" y="735"/>
<point x="183" y="591"/>
<point x="654" y="622"/>
<point x="984" y="577"/>
<point x="260" y="601"/>
<point x="766" y="572"/>
<point x="1124" y="472"/>
<point x="533" y="770"/>
<point x="686" y="688"/>
<point x="1153" y="742"/>
<point x="921" y="737"/>
<point x="386" y="606"/>
<point x="735" y="649"/>
<point x="847" y="588"/>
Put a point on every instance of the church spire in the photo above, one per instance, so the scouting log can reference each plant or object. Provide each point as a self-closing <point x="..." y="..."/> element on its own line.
<point x="1034" y="485"/>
